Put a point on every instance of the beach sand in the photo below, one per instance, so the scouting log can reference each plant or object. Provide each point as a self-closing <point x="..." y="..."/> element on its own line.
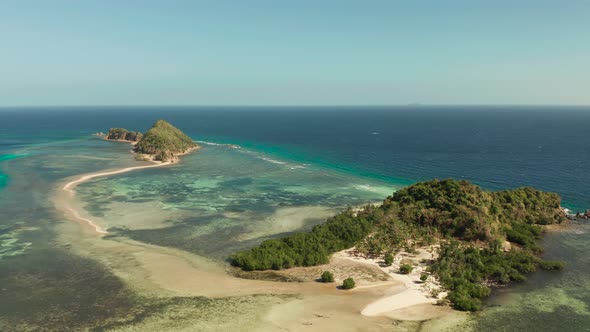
<point x="166" y="272"/>
<point x="150" y="270"/>
<point x="403" y="300"/>
<point x="69" y="187"/>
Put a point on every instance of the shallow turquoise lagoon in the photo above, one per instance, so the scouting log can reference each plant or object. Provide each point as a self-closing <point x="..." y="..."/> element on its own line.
<point x="221" y="199"/>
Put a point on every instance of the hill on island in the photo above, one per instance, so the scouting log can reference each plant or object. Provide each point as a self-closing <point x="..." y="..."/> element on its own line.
<point x="485" y="237"/>
<point x="162" y="142"/>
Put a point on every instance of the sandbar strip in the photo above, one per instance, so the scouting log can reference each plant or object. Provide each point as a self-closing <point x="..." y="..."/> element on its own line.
<point x="69" y="187"/>
<point x="72" y="184"/>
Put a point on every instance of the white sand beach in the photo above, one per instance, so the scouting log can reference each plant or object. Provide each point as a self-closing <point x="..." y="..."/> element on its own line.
<point x="413" y="291"/>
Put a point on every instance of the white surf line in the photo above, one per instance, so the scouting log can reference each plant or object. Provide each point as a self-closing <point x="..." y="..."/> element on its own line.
<point x="72" y="184"/>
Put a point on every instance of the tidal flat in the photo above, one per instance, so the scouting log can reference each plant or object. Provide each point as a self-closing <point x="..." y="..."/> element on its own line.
<point x="132" y="278"/>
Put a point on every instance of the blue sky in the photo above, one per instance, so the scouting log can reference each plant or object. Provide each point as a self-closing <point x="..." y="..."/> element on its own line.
<point x="125" y="52"/>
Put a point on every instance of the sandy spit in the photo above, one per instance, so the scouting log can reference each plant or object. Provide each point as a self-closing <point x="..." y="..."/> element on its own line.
<point x="70" y="186"/>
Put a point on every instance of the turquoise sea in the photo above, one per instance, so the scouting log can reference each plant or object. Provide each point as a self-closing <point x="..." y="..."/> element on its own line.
<point x="294" y="167"/>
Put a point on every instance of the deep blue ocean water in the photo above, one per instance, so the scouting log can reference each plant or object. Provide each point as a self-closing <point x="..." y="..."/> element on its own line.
<point x="495" y="147"/>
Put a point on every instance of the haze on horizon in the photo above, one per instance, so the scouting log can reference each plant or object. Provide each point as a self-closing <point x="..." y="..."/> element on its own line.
<point x="294" y="52"/>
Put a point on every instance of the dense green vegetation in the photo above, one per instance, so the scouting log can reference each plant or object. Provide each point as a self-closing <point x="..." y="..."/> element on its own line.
<point x="486" y="238"/>
<point x="348" y="283"/>
<point x="327" y="276"/>
<point x="164" y="142"/>
<point x="124" y="134"/>
<point x="307" y="249"/>
<point x="467" y="271"/>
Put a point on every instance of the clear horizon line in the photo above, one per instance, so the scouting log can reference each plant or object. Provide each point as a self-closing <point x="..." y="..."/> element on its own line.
<point x="288" y="105"/>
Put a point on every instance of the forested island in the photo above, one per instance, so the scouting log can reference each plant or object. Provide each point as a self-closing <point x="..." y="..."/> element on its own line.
<point x="485" y="238"/>
<point x="162" y="142"/>
<point x="122" y="134"/>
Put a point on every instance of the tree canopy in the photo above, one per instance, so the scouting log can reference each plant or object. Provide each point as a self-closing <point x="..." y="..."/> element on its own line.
<point x="471" y="225"/>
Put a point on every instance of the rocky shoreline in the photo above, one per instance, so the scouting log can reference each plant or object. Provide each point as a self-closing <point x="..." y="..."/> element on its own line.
<point x="577" y="215"/>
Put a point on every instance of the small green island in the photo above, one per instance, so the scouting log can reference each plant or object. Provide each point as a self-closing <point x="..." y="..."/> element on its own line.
<point x="483" y="239"/>
<point x="124" y="135"/>
<point x="162" y="142"/>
